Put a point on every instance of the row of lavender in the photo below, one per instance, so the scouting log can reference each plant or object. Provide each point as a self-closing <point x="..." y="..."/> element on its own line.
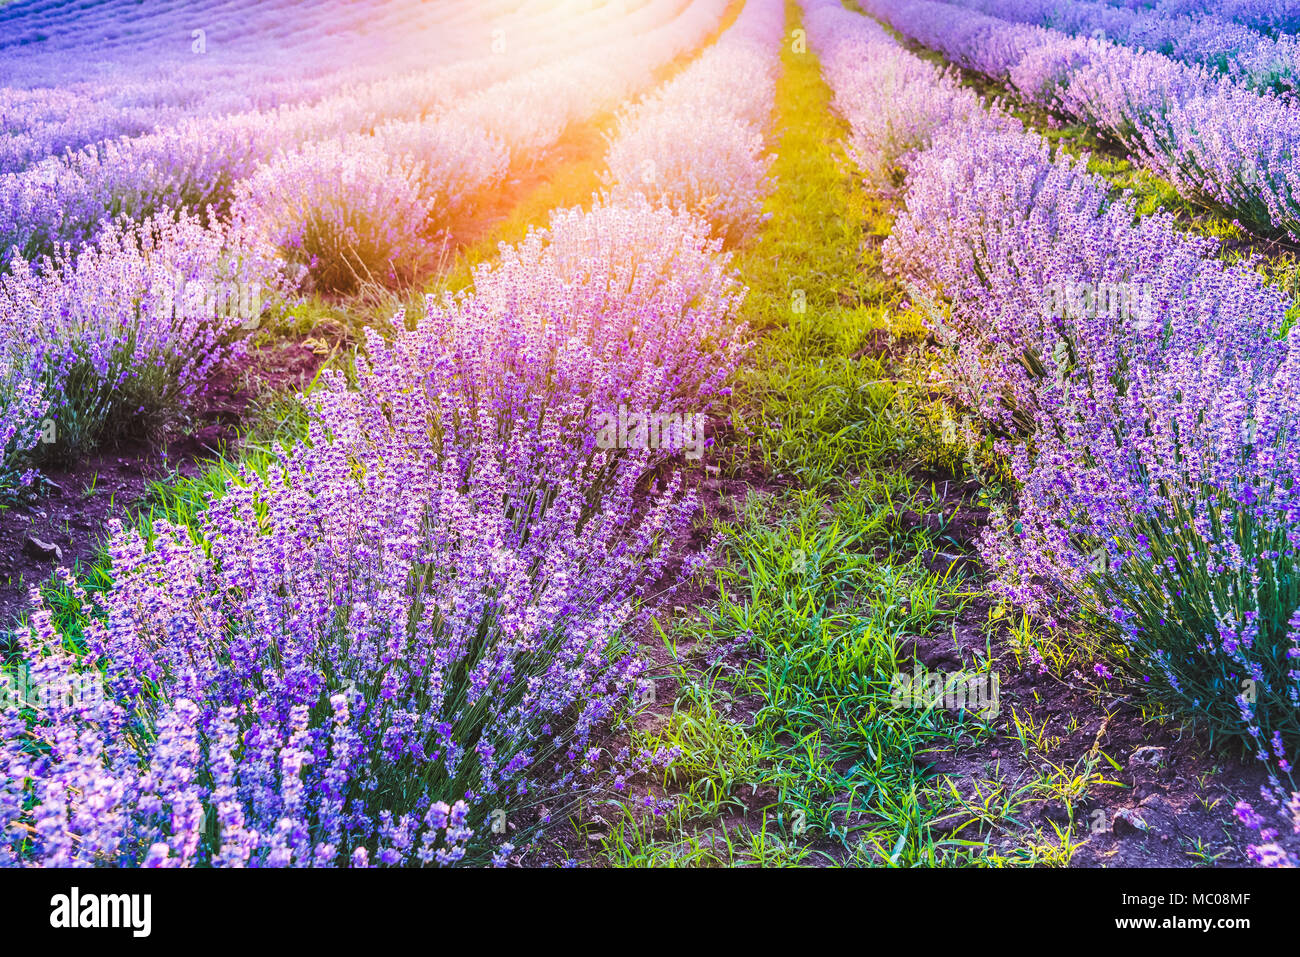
<point x="1272" y="17"/>
<point x="136" y="321"/>
<point x="75" y="107"/>
<point x="1269" y="16"/>
<point x="107" y="39"/>
<point x="1216" y="141"/>
<point x="1152" y="434"/>
<point x="363" y="206"/>
<point x="1249" y="57"/>
<point x="413" y="626"/>
<point x="386" y="76"/>
<point x="197" y="162"/>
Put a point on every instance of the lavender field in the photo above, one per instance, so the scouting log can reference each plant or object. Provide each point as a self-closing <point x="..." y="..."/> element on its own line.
<point x="650" y="433"/>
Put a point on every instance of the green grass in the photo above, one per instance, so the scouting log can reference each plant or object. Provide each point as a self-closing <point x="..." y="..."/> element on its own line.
<point x="820" y="308"/>
<point x="793" y="752"/>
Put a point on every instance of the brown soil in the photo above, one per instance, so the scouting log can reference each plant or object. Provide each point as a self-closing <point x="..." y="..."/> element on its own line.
<point x="1171" y="795"/>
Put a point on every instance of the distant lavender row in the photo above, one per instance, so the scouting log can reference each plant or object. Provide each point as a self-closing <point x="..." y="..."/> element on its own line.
<point x="134" y="99"/>
<point x="303" y="42"/>
<point x="197" y="162"/>
<point x="1154" y="437"/>
<point x="37" y="121"/>
<point x="440" y="581"/>
<point x="109" y="37"/>
<point x="721" y="105"/>
<point x="1249" y="57"/>
<point x="369" y="207"/>
<point x="1270" y="16"/>
<point x="1216" y="142"/>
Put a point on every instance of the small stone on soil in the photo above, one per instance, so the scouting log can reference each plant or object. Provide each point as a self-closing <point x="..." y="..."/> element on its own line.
<point x="1147" y="757"/>
<point x="1128" y="822"/>
<point x="37" y="548"/>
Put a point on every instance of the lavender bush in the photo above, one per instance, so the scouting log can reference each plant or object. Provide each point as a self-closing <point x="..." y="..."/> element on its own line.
<point x="1285" y="811"/>
<point x="128" y="327"/>
<point x="23" y="408"/>
<point x="379" y="623"/>
<point x="349" y="212"/>
<point x="372" y="208"/>
<point x="1156" y="453"/>
<point x="416" y="618"/>
<point x="897" y="101"/>
<point x="420" y="605"/>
